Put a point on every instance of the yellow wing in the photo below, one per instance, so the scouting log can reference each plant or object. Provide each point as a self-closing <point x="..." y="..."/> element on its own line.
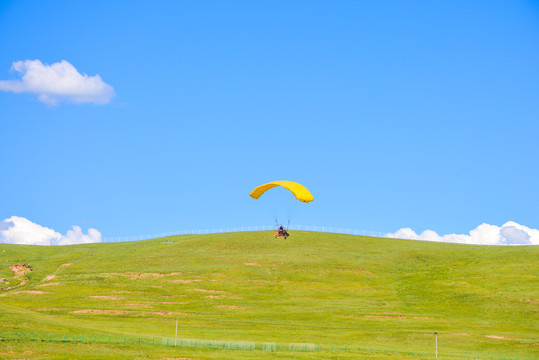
<point x="300" y="192"/>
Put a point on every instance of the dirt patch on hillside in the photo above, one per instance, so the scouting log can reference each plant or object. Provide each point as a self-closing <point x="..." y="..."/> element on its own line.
<point x="49" y="284"/>
<point x="50" y="277"/>
<point x="66" y="264"/>
<point x="218" y="294"/>
<point x="106" y="297"/>
<point x="212" y="291"/>
<point x="265" y="281"/>
<point x="386" y="316"/>
<point x="127" y="312"/>
<point x="230" y="306"/>
<point x="102" y="312"/>
<point x="251" y="264"/>
<point x="39" y="292"/>
<point x="171" y="302"/>
<point x="184" y="281"/>
<point x="139" y="305"/>
<point x="501" y="337"/>
<point x="138" y="276"/>
<point x="20" y="270"/>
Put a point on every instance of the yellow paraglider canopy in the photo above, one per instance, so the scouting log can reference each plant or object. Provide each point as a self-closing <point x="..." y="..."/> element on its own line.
<point x="300" y="192"/>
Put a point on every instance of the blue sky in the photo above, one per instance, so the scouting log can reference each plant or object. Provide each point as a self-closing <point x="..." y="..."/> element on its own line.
<point x="394" y="114"/>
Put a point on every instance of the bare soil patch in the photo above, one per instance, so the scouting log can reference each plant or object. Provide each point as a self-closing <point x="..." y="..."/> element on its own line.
<point x="139" y="305"/>
<point x="251" y="264"/>
<point x="50" y="277"/>
<point x="49" y="284"/>
<point x="106" y="297"/>
<point x="102" y="312"/>
<point x="48" y="309"/>
<point x="138" y="276"/>
<point x="230" y="306"/>
<point x="501" y="337"/>
<point x="20" y="269"/>
<point x="126" y="312"/>
<point x="213" y="291"/>
<point x="39" y="292"/>
<point x="218" y="294"/>
<point x="171" y="302"/>
<point x="386" y="316"/>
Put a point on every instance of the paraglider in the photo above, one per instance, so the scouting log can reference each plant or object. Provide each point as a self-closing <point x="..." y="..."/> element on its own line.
<point x="280" y="232"/>
<point x="299" y="191"/>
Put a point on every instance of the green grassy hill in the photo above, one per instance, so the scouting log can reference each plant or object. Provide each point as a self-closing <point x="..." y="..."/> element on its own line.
<point x="372" y="295"/>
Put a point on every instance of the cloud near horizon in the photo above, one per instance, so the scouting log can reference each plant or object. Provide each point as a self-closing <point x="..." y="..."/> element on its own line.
<point x="57" y="82"/>
<point x="510" y="233"/>
<point x="18" y="230"/>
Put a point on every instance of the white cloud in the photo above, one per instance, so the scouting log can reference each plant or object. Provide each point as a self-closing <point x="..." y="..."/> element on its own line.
<point x="58" y="82"/>
<point x="18" y="230"/>
<point x="509" y="233"/>
<point x="76" y="236"/>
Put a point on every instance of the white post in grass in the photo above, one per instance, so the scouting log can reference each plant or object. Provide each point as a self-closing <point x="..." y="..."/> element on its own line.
<point x="176" y="334"/>
<point x="436" y="342"/>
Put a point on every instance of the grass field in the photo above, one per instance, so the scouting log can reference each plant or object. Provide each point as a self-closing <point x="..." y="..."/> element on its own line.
<point x="365" y="297"/>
